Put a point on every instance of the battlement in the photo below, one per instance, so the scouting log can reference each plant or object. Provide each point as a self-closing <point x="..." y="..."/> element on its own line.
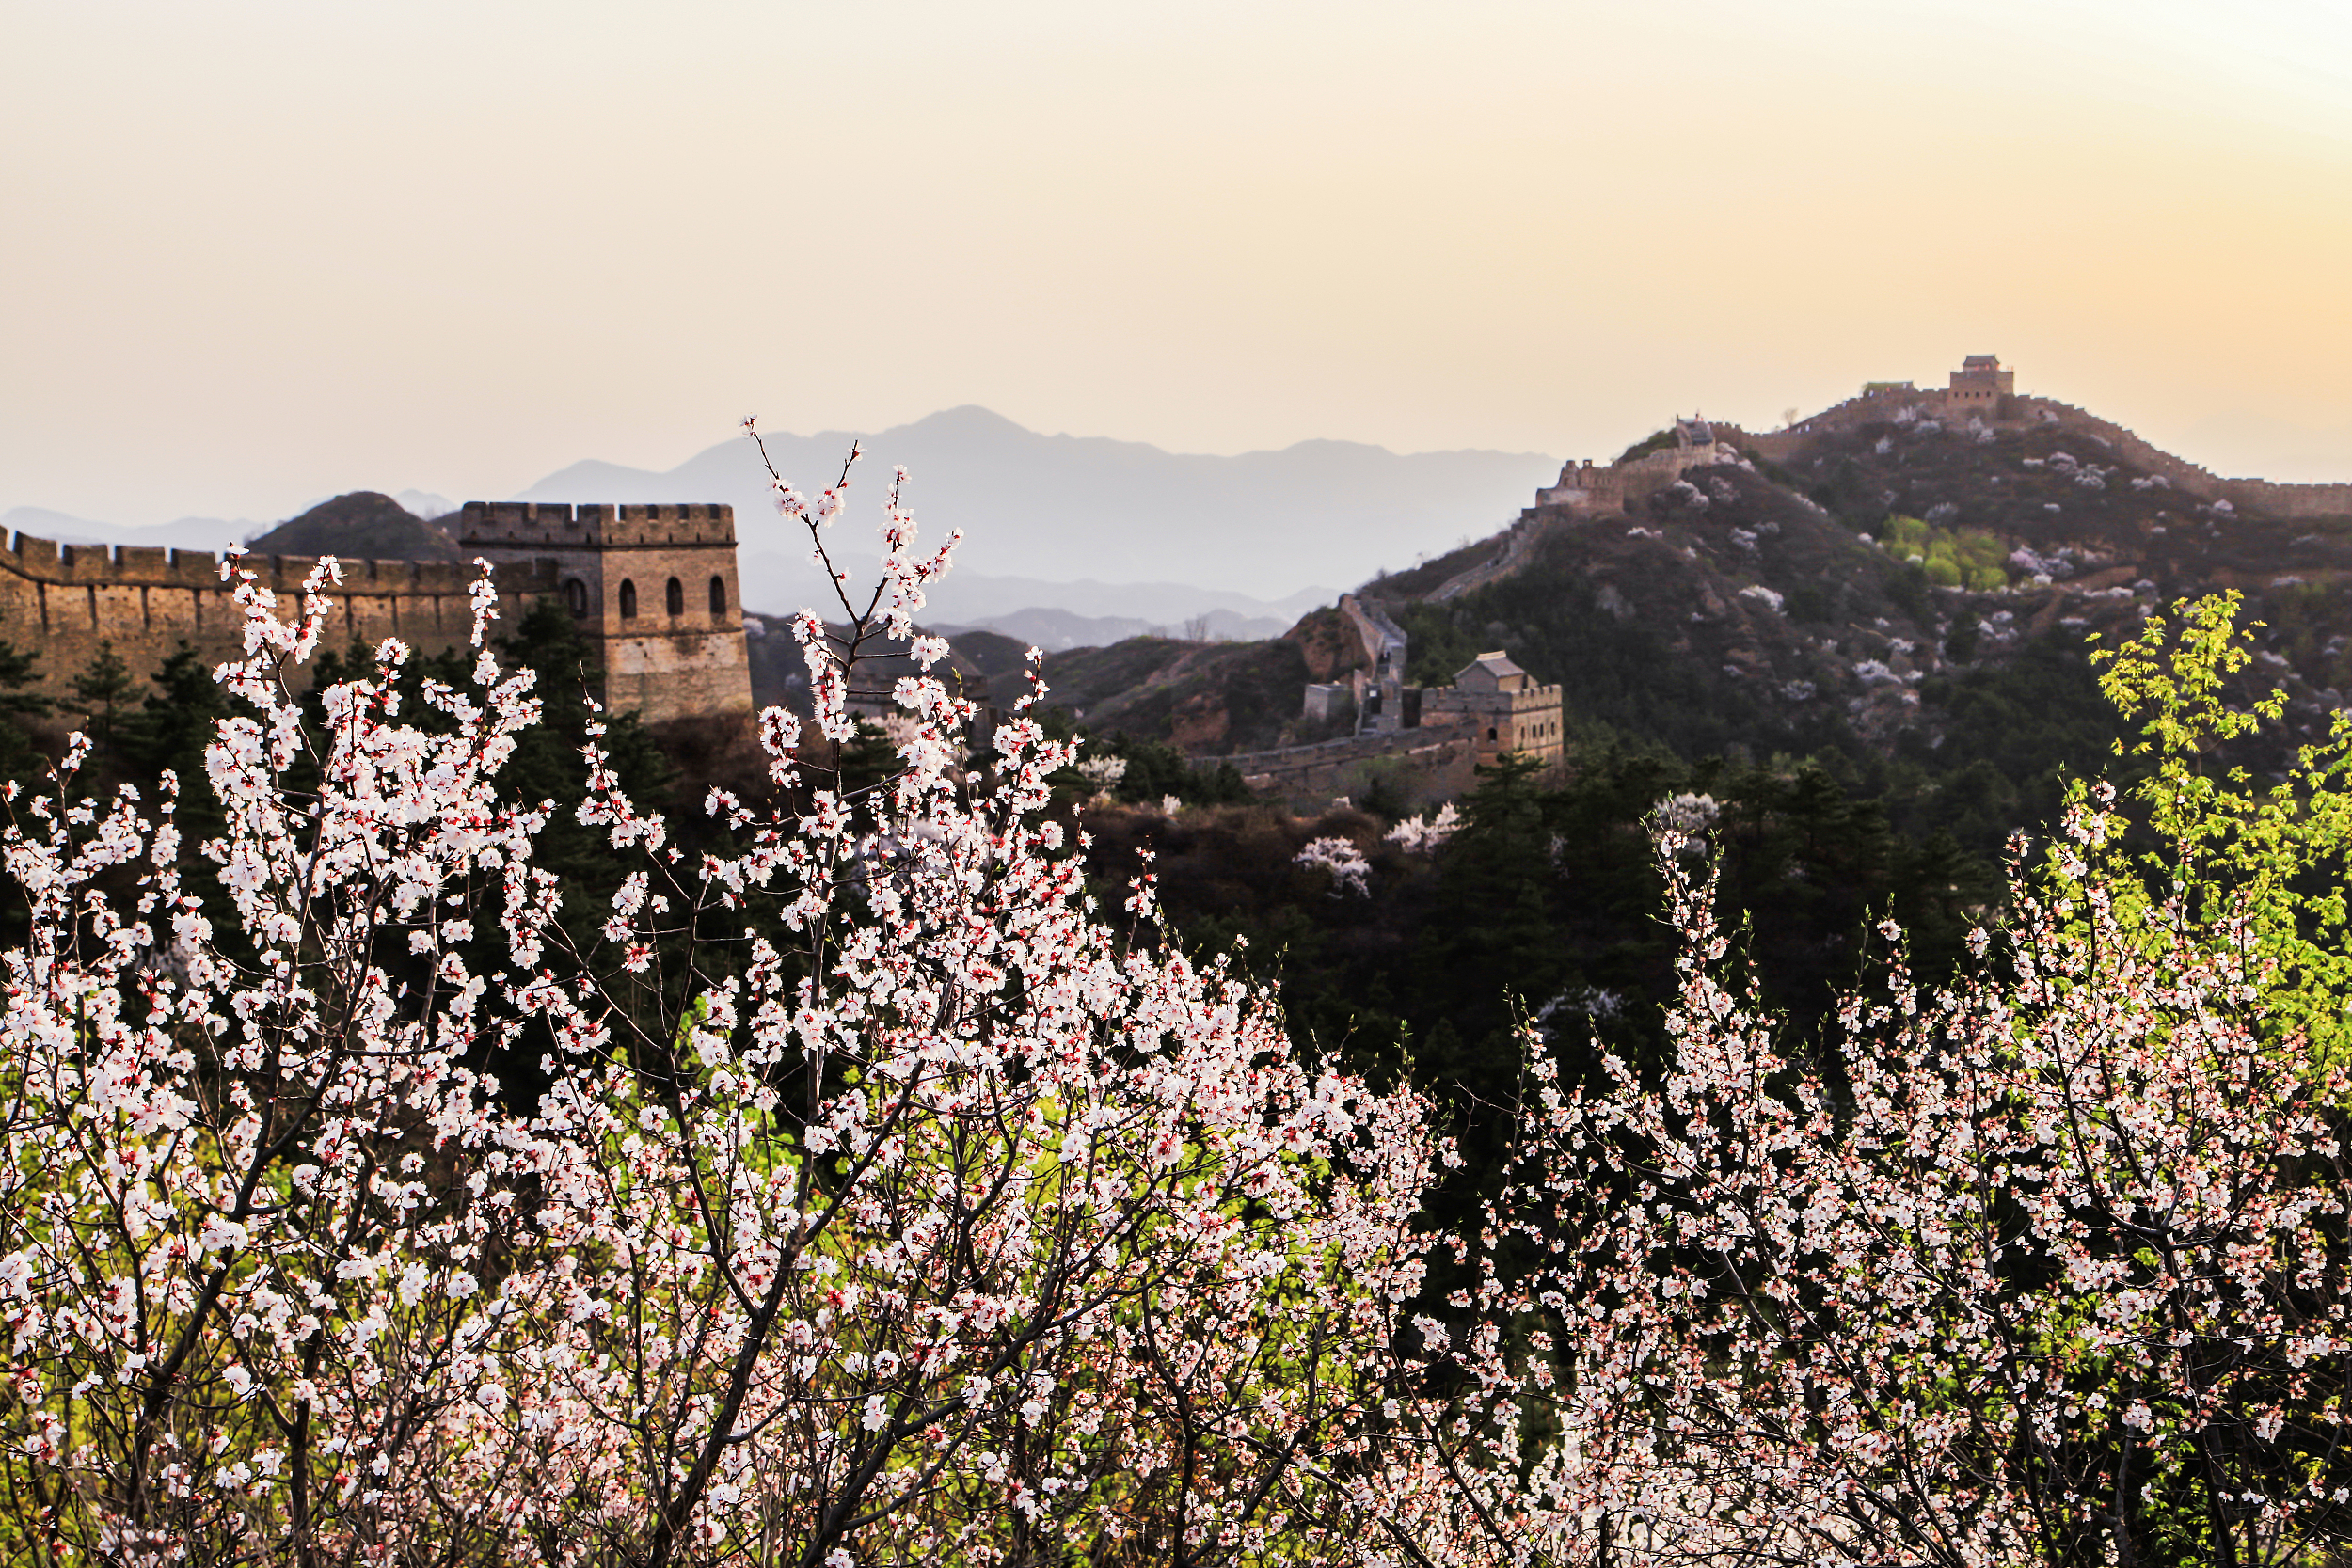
<point x="653" y="588"/>
<point x="151" y="566"/>
<point x="1588" y="489"/>
<point x="595" y="526"/>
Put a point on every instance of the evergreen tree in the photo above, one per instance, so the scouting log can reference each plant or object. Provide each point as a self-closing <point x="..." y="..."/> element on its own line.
<point x="100" y="689"/>
<point x="19" y="701"/>
<point x="170" y="728"/>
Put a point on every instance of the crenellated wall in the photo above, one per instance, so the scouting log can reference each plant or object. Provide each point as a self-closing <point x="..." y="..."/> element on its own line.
<point x="668" y="656"/>
<point x="60" y="602"/>
<point x="1590" y="487"/>
<point x="1992" y="398"/>
<point x="1528" y="721"/>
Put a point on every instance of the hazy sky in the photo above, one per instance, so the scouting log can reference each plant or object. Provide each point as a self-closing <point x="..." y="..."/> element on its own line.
<point x="255" y="253"/>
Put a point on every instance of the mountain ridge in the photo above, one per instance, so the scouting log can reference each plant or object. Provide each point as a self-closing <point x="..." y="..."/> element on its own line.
<point x="1888" y="589"/>
<point x="1067" y="508"/>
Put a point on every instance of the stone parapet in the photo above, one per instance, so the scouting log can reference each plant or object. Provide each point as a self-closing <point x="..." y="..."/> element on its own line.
<point x="653" y="588"/>
<point x="62" y="602"/>
<point x="1440" y="765"/>
<point x="595" y="526"/>
<point x="656" y="588"/>
<point x="1528" y="721"/>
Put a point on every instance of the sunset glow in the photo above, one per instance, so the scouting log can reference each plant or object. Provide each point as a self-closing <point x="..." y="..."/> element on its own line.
<point x="259" y="253"/>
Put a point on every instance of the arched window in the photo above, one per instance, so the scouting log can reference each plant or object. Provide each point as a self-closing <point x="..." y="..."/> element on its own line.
<point x="677" y="598"/>
<point x="717" y="596"/>
<point x="629" y="600"/>
<point x="575" y="599"/>
<point x="1490" y="732"/>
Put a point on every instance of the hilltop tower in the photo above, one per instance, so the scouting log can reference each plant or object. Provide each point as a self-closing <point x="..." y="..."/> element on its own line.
<point x="1978" y="386"/>
<point x="654" y="589"/>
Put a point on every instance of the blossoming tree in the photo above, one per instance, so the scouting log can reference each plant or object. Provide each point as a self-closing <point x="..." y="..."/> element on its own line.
<point x="2050" y="1265"/>
<point x="886" y="1205"/>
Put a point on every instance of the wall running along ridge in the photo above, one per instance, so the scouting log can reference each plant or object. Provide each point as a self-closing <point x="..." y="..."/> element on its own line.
<point x="60" y="602"/>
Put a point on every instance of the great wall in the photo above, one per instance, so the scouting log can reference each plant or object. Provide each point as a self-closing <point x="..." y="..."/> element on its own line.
<point x="1982" y="391"/>
<point x="654" y="589"/>
<point x="1390" y="716"/>
<point x="655" y="594"/>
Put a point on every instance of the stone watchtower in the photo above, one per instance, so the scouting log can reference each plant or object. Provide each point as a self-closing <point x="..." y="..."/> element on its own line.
<point x="1504" y="707"/>
<point x="654" y="591"/>
<point x="1978" y="386"/>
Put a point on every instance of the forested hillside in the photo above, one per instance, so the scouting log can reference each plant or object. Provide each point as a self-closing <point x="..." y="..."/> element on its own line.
<point x="1861" y="669"/>
<point x="1904" y="605"/>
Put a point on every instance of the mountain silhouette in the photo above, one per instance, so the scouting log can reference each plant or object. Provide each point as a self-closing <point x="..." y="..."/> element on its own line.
<point x="1058" y="508"/>
<point x="364" y="525"/>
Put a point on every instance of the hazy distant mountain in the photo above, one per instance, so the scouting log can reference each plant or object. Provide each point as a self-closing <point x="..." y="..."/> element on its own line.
<point x="212" y="534"/>
<point x="1058" y="631"/>
<point x="984" y="599"/>
<point x="359" y="524"/>
<point x="425" y="504"/>
<point x="1061" y="508"/>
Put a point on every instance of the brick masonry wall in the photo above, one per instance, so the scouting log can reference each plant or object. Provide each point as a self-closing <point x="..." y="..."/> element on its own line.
<point x="60" y="602"/>
<point x="1439" y="766"/>
<point x="616" y="564"/>
<point x="1528" y="721"/>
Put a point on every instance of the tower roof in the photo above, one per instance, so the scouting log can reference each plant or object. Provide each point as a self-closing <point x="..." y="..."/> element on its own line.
<point x="1494" y="669"/>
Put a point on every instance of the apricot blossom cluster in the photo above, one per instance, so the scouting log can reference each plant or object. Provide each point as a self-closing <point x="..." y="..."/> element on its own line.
<point x="2046" y="1266"/>
<point x="883" y="1203"/>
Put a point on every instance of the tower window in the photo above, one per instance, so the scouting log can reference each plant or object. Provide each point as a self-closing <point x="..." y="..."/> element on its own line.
<point x="629" y="600"/>
<point x="717" y="596"/>
<point x="575" y="599"/>
<point x="677" y="598"/>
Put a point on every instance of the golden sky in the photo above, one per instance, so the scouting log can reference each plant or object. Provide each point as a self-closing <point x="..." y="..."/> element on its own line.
<point x="257" y="253"/>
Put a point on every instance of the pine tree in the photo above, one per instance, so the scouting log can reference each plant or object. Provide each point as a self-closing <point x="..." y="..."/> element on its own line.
<point x="102" y="688"/>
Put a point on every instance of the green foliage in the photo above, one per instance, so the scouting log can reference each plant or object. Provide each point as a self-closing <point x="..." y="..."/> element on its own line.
<point x="867" y="759"/>
<point x="1947" y="557"/>
<point x="1656" y="440"/>
<point x="2263" y="871"/>
<point x="1809" y="603"/>
<point x="1622" y="676"/>
<point x="19" y="701"/>
<point x="172" y="726"/>
<point x="2015" y="732"/>
<point x="1142" y="687"/>
<point x="1384" y="789"/>
<point x="1156" y="771"/>
<point x="2308" y="624"/>
<point x="548" y="764"/>
<point x="100" y="689"/>
<point x="1544" y="906"/>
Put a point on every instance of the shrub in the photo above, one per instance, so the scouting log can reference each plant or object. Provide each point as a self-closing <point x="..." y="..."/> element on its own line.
<point x="2046" y="1266"/>
<point x="884" y="1200"/>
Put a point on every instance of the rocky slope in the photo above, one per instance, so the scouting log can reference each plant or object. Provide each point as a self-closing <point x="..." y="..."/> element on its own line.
<point x="1889" y="588"/>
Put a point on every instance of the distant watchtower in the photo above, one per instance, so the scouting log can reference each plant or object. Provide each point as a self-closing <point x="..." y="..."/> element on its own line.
<point x="1978" y="386"/>
<point x="653" y="588"/>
